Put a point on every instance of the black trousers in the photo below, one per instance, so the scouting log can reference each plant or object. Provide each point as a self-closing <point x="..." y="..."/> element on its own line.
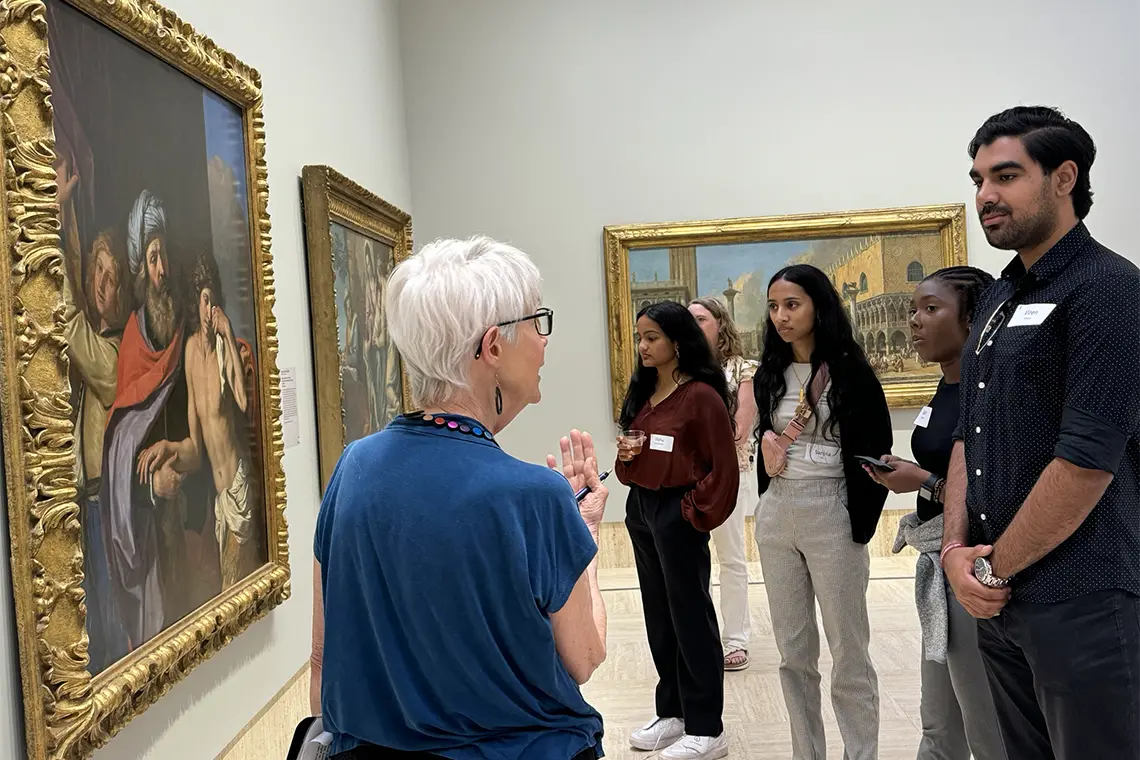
<point x="1066" y="677"/>
<point x="372" y="752"/>
<point x="673" y="569"/>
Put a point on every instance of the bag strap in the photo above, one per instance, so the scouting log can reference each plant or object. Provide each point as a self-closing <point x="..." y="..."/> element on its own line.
<point x="803" y="411"/>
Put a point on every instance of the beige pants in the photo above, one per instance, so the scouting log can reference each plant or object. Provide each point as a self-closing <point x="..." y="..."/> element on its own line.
<point x="803" y="534"/>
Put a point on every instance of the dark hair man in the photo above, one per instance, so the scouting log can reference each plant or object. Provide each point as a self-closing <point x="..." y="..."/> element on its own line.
<point x="1042" y="533"/>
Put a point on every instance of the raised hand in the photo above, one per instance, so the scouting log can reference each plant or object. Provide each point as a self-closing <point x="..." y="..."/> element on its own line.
<point x="580" y="468"/>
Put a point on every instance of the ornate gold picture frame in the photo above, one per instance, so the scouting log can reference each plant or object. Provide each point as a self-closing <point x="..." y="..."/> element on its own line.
<point x="139" y="387"/>
<point x="353" y="239"/>
<point x="874" y="258"/>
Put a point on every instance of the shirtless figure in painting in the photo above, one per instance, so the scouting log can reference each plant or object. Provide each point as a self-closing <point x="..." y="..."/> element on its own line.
<point x="217" y="411"/>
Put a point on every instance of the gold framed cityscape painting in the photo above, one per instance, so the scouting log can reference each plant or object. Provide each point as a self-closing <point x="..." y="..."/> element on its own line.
<point x="353" y="239"/>
<point x="874" y="258"/>
<point x="140" y="390"/>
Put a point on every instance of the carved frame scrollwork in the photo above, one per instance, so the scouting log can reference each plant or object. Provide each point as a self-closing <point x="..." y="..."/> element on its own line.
<point x="68" y="713"/>
<point x="949" y="221"/>
<point x="328" y="197"/>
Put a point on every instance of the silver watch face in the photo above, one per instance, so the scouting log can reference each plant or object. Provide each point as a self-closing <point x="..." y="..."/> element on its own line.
<point x="981" y="567"/>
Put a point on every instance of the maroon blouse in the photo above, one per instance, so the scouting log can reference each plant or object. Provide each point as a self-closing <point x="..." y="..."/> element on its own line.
<point x="703" y="458"/>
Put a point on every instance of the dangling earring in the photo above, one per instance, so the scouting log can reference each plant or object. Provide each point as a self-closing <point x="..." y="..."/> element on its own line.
<point x="498" y="400"/>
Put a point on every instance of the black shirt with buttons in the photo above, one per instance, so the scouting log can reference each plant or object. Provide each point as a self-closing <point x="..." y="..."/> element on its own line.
<point x="1042" y="383"/>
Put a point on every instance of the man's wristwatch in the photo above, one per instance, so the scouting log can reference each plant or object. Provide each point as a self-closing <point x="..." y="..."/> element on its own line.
<point x="983" y="571"/>
<point x="931" y="490"/>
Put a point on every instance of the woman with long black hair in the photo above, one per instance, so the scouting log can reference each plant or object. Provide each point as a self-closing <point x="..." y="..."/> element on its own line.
<point x="683" y="482"/>
<point x="819" y="406"/>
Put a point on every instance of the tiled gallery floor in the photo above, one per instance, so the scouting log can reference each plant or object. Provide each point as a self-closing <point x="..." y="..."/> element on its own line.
<point x="755" y="719"/>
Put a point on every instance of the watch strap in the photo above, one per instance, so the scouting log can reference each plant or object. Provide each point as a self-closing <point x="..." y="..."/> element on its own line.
<point x="930" y="489"/>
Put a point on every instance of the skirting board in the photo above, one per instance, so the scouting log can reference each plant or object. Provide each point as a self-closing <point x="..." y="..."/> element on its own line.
<point x="616" y="551"/>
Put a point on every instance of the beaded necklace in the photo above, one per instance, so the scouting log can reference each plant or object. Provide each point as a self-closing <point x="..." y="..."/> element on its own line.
<point x="451" y="422"/>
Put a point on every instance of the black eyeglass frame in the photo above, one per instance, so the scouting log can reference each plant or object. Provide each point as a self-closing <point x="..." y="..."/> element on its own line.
<point x="543" y="313"/>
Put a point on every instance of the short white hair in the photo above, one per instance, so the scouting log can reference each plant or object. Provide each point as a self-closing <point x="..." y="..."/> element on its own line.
<point x="441" y="301"/>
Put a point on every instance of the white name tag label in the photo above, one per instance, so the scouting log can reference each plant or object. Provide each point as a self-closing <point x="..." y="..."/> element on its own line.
<point x="1030" y="314"/>
<point x="818" y="453"/>
<point x="923" y="418"/>
<point x="661" y="443"/>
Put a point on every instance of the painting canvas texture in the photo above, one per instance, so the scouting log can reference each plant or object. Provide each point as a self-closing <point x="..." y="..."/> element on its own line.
<point x="874" y="274"/>
<point x="162" y="331"/>
<point x="371" y="379"/>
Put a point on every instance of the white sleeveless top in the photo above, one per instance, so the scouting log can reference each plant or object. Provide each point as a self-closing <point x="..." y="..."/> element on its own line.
<point x="811" y="456"/>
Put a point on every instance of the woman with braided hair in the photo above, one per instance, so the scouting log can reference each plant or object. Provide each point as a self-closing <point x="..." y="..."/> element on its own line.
<point x="957" y="709"/>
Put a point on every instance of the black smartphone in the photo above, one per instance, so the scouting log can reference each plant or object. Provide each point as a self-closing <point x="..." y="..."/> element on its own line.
<point x="878" y="464"/>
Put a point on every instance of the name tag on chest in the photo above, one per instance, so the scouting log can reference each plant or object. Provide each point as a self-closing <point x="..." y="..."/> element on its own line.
<point x="818" y="453"/>
<point x="1031" y="314"/>
<point x="923" y="418"/>
<point x="661" y="443"/>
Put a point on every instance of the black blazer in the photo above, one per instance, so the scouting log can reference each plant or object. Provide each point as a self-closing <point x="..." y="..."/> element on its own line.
<point x="864" y="430"/>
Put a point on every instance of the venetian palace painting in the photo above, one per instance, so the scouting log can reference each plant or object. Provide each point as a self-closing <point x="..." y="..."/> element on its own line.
<point x="874" y="258"/>
<point x="162" y="328"/>
<point x="875" y="275"/>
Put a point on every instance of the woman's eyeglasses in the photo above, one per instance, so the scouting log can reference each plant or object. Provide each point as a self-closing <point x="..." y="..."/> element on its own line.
<point x="543" y="324"/>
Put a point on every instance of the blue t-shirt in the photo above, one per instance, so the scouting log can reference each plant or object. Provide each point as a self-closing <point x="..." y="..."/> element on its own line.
<point x="442" y="558"/>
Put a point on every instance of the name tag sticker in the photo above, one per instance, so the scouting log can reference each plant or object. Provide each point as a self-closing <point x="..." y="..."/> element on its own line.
<point x="1030" y="314"/>
<point x="923" y="418"/>
<point x="820" y="454"/>
<point x="661" y="443"/>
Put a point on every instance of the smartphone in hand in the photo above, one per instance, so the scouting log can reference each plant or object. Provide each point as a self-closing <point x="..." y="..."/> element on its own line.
<point x="878" y="464"/>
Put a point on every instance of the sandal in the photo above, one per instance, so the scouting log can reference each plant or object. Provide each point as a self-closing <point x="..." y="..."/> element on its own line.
<point x="737" y="659"/>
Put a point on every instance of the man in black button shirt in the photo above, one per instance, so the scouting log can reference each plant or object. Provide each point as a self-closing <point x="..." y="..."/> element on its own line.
<point x="1042" y="525"/>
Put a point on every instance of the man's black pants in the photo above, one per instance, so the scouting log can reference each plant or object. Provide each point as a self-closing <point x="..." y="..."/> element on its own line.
<point x="1066" y="677"/>
<point x="673" y="569"/>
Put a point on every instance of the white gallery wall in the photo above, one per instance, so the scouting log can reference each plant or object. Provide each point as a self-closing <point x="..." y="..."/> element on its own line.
<point x="539" y="122"/>
<point x="333" y="94"/>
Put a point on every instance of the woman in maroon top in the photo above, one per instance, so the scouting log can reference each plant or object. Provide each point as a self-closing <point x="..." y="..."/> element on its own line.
<point x="682" y="483"/>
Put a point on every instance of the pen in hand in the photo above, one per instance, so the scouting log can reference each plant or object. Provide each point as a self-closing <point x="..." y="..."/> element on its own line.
<point x="582" y="494"/>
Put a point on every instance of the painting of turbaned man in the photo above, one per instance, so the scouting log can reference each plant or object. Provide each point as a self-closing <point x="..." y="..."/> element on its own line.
<point x="161" y="323"/>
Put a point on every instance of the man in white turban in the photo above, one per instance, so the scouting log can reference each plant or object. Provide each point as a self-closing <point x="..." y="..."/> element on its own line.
<point x="147" y="544"/>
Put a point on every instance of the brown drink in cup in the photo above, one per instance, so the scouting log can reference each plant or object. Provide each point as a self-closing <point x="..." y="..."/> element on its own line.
<point x="634" y="439"/>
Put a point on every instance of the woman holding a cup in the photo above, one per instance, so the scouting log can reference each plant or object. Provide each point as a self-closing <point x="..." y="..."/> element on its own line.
<point x="676" y="454"/>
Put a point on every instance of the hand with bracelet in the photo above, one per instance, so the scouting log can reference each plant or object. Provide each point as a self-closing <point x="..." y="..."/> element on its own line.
<point x="907" y="477"/>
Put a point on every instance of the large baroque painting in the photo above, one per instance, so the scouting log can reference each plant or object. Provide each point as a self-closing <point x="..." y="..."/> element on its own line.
<point x="143" y="416"/>
<point x="354" y="239"/>
<point x="874" y="259"/>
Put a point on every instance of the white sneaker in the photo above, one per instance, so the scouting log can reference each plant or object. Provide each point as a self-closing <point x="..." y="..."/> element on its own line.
<point x="657" y="734"/>
<point x="697" y="748"/>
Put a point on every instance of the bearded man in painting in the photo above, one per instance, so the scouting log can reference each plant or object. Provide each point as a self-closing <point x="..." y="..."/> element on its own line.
<point x="147" y="543"/>
<point x="220" y="391"/>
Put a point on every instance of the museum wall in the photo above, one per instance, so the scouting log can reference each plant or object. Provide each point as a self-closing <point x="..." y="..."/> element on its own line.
<point x="541" y="122"/>
<point x="333" y="94"/>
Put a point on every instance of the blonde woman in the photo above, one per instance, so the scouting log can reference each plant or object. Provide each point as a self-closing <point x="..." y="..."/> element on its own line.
<point x="716" y="323"/>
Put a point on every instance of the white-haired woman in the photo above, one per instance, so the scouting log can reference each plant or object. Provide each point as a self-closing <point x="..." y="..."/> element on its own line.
<point x="456" y="602"/>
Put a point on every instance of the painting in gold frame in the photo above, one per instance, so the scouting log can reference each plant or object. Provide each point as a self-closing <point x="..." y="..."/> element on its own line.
<point x="353" y="239"/>
<point x="141" y="397"/>
<point x="873" y="257"/>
